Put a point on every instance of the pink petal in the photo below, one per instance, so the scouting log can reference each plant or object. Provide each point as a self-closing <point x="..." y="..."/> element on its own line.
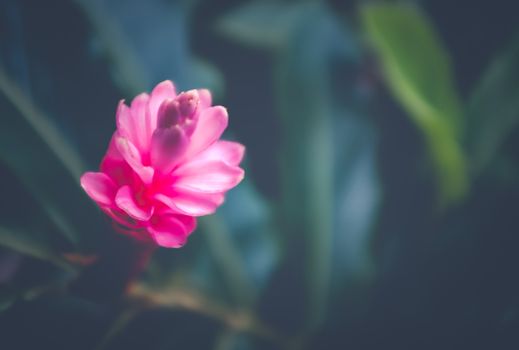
<point x="171" y="231"/>
<point x="112" y="151"/>
<point x="167" y="146"/>
<point x="207" y="177"/>
<point x="192" y="203"/>
<point x="164" y="90"/>
<point x="211" y="124"/>
<point x="114" y="165"/>
<point x="125" y="122"/>
<point x="99" y="187"/>
<point x="125" y="200"/>
<point x="118" y="170"/>
<point x="132" y="156"/>
<point x="228" y="152"/>
<point x="188" y="221"/>
<point x="139" y="111"/>
<point x="206" y="99"/>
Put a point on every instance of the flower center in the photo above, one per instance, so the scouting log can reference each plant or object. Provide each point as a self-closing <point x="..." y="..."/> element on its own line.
<point x="180" y="111"/>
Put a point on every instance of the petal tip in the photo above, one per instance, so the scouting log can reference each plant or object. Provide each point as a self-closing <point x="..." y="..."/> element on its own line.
<point x="98" y="186"/>
<point x="164" y="87"/>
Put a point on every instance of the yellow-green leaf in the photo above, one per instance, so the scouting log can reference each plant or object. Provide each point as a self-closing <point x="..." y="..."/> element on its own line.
<point x="417" y="71"/>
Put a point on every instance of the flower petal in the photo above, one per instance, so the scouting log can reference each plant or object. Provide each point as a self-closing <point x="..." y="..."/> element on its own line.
<point x="125" y="200"/>
<point x="139" y="111"/>
<point x="125" y="122"/>
<point x="163" y="90"/>
<point x="131" y="155"/>
<point x="99" y="187"/>
<point x="171" y="231"/>
<point x="206" y="99"/>
<point x="228" y="152"/>
<point x="210" y="126"/>
<point x="114" y="165"/>
<point x="207" y="177"/>
<point x="112" y="151"/>
<point x="192" y="203"/>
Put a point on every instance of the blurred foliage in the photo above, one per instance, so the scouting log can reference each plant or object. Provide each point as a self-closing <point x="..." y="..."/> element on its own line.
<point x="357" y="135"/>
<point x="418" y="72"/>
<point x="51" y="175"/>
<point x="496" y="96"/>
<point x="144" y="51"/>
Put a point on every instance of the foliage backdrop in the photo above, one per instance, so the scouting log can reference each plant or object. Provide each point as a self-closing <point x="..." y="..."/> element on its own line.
<point x="380" y="203"/>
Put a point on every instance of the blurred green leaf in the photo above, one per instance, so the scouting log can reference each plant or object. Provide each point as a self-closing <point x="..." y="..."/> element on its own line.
<point x="418" y="72"/>
<point x="493" y="109"/>
<point x="242" y="240"/>
<point x="265" y="24"/>
<point x="304" y="97"/>
<point x="357" y="199"/>
<point x="307" y="174"/>
<point x="33" y="148"/>
<point x="37" y="245"/>
<point x="249" y="220"/>
<point x="224" y="252"/>
<point x="308" y="40"/>
<point x="145" y="52"/>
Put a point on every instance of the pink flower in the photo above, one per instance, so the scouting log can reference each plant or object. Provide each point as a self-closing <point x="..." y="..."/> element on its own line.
<point x="166" y="165"/>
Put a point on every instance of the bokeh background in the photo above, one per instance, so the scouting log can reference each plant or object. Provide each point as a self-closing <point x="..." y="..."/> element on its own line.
<point x="380" y="206"/>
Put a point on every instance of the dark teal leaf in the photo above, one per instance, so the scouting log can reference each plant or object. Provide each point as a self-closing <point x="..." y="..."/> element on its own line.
<point x="357" y="199"/>
<point x="493" y="109"/>
<point x="249" y="219"/>
<point x="47" y="165"/>
<point x="32" y="243"/>
<point x="306" y="54"/>
<point x="309" y="111"/>
<point x="265" y="24"/>
<point x="145" y="52"/>
<point x="307" y="156"/>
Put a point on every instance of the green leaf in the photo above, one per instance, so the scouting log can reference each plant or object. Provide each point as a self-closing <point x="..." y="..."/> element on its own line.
<point x="34" y="244"/>
<point x="224" y="253"/>
<point x="493" y="109"/>
<point x="47" y="166"/>
<point x="248" y="223"/>
<point x="265" y="24"/>
<point x="417" y="70"/>
<point x="146" y="52"/>
<point x="305" y="101"/>
<point x="303" y="38"/>
<point x="357" y="200"/>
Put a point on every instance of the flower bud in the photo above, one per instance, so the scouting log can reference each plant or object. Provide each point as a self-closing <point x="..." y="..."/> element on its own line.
<point x="168" y="114"/>
<point x="188" y="103"/>
<point x="167" y="147"/>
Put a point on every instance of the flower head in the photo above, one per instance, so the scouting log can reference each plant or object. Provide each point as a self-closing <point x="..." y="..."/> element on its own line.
<point x="166" y="164"/>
